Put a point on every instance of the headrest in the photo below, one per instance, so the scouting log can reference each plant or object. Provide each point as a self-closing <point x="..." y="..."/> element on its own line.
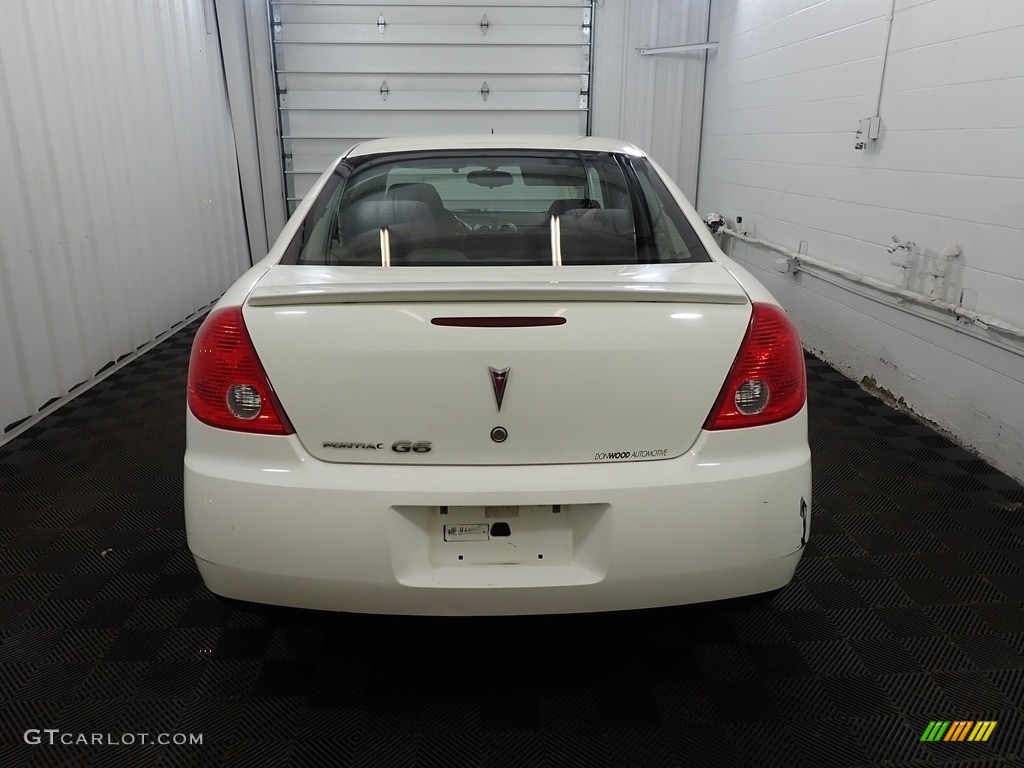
<point x="416" y="192"/>
<point x="374" y="214"/>
<point x="558" y="207"/>
<point x="616" y="221"/>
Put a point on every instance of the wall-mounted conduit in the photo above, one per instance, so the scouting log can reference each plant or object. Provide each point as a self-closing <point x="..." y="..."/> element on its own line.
<point x="966" y="318"/>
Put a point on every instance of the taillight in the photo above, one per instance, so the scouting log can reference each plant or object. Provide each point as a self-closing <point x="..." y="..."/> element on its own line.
<point x="767" y="382"/>
<point x="227" y="386"/>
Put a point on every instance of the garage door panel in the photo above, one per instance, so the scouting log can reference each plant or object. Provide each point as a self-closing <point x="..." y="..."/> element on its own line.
<point x="428" y="34"/>
<point x="397" y="14"/>
<point x="342" y="77"/>
<point x="441" y="101"/>
<point x="467" y="59"/>
<point x="294" y="83"/>
<point x="391" y="124"/>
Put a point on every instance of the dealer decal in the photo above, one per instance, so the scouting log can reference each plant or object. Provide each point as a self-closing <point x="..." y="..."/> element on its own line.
<point x="651" y="453"/>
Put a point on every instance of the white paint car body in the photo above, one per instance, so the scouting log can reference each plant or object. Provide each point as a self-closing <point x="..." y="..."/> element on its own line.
<point x="611" y="490"/>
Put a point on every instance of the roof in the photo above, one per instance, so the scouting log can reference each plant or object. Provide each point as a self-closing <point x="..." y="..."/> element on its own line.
<point x="492" y="141"/>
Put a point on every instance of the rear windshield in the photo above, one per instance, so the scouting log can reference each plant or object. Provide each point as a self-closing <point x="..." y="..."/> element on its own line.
<point x="494" y="209"/>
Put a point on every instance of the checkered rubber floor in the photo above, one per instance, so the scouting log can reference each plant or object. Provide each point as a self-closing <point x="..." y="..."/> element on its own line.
<point x="907" y="609"/>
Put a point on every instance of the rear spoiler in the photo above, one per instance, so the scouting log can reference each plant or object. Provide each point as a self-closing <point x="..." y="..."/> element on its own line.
<point x="418" y="293"/>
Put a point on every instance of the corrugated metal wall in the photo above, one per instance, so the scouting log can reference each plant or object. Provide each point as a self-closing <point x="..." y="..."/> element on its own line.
<point x="120" y="211"/>
<point x="653" y="101"/>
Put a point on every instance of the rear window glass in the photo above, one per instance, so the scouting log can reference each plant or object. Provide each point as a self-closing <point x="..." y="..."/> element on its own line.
<point x="494" y="209"/>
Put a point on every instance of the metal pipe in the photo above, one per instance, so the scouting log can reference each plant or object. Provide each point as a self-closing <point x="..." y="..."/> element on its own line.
<point x="688" y="48"/>
<point x="885" y="57"/>
<point x="802" y="261"/>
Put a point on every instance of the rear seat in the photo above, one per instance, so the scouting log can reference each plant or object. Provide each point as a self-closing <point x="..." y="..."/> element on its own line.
<point x="406" y="220"/>
<point x="597" y="236"/>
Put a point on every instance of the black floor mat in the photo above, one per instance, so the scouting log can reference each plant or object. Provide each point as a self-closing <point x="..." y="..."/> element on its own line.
<point x="906" y="609"/>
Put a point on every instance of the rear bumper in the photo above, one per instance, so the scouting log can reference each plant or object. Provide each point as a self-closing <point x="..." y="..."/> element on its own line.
<point x="267" y="523"/>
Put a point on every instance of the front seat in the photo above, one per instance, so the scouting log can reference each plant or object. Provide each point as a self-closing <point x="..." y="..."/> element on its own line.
<point x="447" y="223"/>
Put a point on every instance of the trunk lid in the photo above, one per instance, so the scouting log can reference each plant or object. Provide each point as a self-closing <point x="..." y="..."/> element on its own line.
<point x="405" y="366"/>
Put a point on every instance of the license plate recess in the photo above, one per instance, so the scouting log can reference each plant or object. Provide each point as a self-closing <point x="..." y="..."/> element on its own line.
<point x="501" y="535"/>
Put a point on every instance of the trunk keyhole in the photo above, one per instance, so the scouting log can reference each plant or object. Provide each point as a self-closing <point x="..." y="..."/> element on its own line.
<point x="500" y="529"/>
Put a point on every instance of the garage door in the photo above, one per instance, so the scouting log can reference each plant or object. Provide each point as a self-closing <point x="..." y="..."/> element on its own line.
<point x="347" y="72"/>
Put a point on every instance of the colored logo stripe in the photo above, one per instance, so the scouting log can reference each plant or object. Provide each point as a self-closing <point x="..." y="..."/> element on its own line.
<point x="982" y="730"/>
<point x="958" y="730"/>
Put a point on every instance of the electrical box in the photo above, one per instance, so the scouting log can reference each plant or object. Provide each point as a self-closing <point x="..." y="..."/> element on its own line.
<point x="868" y="127"/>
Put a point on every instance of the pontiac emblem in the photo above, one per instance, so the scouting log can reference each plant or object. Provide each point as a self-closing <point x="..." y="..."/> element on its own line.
<point x="499" y="378"/>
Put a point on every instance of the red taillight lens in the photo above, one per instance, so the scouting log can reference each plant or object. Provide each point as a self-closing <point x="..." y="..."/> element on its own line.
<point x="767" y="382"/>
<point x="227" y="386"/>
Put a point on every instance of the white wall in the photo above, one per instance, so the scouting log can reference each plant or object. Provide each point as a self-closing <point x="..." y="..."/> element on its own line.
<point x="784" y="93"/>
<point x="651" y="101"/>
<point x="119" y="200"/>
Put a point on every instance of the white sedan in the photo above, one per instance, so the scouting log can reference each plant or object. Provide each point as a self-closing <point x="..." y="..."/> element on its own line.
<point x="486" y="375"/>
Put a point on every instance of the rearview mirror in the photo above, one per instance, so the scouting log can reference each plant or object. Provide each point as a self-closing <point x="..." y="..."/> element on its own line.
<point x="489" y="179"/>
